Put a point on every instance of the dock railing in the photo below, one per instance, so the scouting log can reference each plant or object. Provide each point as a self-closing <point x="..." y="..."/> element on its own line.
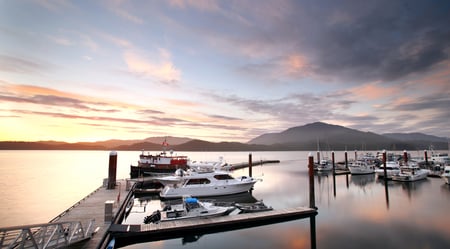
<point x="47" y="235"/>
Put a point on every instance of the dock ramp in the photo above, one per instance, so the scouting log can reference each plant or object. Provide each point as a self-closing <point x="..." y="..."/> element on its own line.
<point x="47" y="235"/>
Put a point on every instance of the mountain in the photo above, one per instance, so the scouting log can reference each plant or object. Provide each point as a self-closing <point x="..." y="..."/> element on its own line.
<point x="329" y="137"/>
<point x="307" y="137"/>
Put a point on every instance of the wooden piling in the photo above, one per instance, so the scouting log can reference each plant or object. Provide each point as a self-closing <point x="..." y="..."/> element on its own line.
<point x="405" y="157"/>
<point x="250" y="164"/>
<point x="332" y="160"/>
<point x="356" y="155"/>
<point x="346" y="160"/>
<point x="426" y="157"/>
<point x="312" y="202"/>
<point x="112" y="170"/>
<point x="384" y="163"/>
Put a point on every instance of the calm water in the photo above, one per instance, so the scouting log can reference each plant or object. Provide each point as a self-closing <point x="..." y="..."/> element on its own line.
<point x="38" y="185"/>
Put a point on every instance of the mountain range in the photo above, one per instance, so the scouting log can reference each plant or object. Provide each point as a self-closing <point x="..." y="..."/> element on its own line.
<point x="314" y="136"/>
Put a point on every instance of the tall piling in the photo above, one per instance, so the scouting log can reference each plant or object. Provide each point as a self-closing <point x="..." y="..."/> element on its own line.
<point x="332" y="161"/>
<point x="312" y="201"/>
<point x="112" y="170"/>
<point x="346" y="160"/>
<point x="384" y="163"/>
<point x="356" y="155"/>
<point x="426" y="157"/>
<point x="250" y="164"/>
<point x="405" y="157"/>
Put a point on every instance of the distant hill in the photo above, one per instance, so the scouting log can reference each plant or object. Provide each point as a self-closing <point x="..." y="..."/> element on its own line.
<point x="332" y="137"/>
<point x="307" y="137"/>
<point x="420" y="140"/>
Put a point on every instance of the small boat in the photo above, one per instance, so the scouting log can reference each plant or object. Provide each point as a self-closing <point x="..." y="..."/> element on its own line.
<point x="361" y="167"/>
<point x="258" y="206"/>
<point x="159" y="164"/>
<point x="189" y="209"/>
<point x="410" y="173"/>
<point x="325" y="165"/>
<point x="392" y="168"/>
<point x="200" y="184"/>
<point x="446" y="174"/>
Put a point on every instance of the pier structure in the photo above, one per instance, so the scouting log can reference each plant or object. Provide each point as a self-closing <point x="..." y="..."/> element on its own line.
<point x="96" y="219"/>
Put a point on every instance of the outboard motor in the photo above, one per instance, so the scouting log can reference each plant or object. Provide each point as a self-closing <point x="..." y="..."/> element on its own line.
<point x="153" y="218"/>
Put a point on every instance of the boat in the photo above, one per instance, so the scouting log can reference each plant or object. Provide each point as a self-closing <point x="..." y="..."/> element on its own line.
<point x="189" y="209"/>
<point x="158" y="164"/>
<point x="258" y="206"/>
<point x="325" y="165"/>
<point x="392" y="168"/>
<point x="361" y="167"/>
<point x="207" y="165"/>
<point x="446" y="174"/>
<point x="200" y="184"/>
<point x="410" y="173"/>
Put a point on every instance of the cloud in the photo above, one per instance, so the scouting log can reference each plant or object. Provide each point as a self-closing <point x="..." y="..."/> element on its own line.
<point x="160" y="69"/>
<point x="121" y="9"/>
<point x="55" y="5"/>
<point x="22" y="65"/>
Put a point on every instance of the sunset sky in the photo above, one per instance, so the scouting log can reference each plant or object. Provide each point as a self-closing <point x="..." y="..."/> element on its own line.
<point x="221" y="70"/>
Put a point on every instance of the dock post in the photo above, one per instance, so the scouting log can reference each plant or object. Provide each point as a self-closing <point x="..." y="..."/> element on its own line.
<point x="405" y="157"/>
<point x="250" y="164"/>
<point x="112" y="170"/>
<point x="384" y="163"/>
<point x="318" y="157"/>
<point x="346" y="160"/>
<point x="332" y="160"/>
<point x="356" y="155"/>
<point x="426" y="157"/>
<point x="312" y="201"/>
<point x="312" y="228"/>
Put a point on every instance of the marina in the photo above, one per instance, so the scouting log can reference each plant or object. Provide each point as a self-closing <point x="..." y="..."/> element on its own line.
<point x="131" y="229"/>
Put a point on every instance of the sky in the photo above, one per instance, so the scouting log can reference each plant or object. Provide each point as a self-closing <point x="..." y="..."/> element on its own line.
<point x="221" y="70"/>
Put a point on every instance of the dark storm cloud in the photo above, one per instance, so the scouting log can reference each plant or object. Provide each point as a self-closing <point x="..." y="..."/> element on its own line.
<point x="375" y="40"/>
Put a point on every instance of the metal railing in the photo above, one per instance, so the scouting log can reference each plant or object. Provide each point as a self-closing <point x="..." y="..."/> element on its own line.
<point x="47" y="235"/>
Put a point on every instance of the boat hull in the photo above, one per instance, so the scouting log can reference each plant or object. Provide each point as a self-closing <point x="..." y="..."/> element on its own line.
<point x="204" y="190"/>
<point x="410" y="178"/>
<point x="360" y="171"/>
<point x="138" y="171"/>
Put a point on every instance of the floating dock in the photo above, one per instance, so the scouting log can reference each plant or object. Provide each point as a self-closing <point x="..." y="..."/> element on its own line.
<point x="126" y="234"/>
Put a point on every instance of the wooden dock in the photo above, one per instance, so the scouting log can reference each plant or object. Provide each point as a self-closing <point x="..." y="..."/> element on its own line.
<point x="93" y="207"/>
<point x="125" y="234"/>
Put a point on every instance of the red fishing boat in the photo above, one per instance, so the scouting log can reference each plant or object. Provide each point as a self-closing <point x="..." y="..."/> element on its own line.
<point x="158" y="164"/>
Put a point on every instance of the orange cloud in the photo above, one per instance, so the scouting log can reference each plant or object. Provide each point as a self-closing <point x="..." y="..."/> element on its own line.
<point x="373" y="91"/>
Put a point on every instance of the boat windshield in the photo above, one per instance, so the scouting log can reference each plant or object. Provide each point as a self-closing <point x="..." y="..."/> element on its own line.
<point x="197" y="181"/>
<point x="223" y="177"/>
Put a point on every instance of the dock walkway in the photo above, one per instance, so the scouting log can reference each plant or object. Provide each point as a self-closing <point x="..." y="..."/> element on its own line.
<point x="92" y="207"/>
<point x="174" y="229"/>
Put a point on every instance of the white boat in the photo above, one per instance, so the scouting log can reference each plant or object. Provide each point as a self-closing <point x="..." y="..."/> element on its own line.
<point x="446" y="174"/>
<point x="207" y="165"/>
<point x="392" y="168"/>
<point x="325" y="165"/>
<point x="199" y="184"/>
<point x="361" y="167"/>
<point x="189" y="209"/>
<point x="410" y="173"/>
